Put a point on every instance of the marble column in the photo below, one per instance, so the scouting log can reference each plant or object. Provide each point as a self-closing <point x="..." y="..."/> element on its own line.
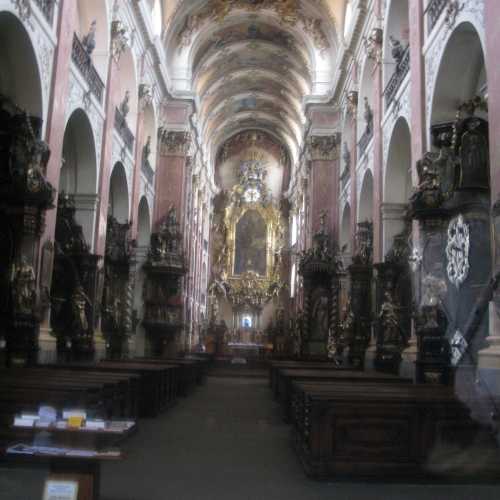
<point x="418" y="143"/>
<point x="170" y="174"/>
<point x="489" y="358"/>
<point x="325" y="181"/>
<point x="68" y="17"/>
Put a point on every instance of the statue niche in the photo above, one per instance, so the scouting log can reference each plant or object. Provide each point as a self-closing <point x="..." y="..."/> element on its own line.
<point x="251" y="244"/>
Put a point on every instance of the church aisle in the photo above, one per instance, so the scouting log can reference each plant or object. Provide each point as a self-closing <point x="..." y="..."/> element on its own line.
<point x="227" y="441"/>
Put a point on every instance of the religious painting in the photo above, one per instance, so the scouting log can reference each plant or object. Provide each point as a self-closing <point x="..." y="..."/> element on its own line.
<point x="319" y="314"/>
<point x="251" y="244"/>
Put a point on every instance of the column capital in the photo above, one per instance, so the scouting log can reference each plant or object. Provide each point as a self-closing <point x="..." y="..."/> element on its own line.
<point x="174" y="143"/>
<point x="323" y="147"/>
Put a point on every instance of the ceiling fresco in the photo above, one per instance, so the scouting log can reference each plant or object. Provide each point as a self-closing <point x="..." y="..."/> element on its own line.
<point x="251" y="64"/>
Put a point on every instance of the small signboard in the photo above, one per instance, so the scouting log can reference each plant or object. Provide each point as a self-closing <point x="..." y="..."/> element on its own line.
<point x="60" y="490"/>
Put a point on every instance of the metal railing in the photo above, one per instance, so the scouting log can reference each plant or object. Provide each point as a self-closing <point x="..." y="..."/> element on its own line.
<point x="148" y="171"/>
<point x="402" y="69"/>
<point x="47" y="8"/>
<point x="122" y="128"/>
<point x="433" y="12"/>
<point x="84" y="63"/>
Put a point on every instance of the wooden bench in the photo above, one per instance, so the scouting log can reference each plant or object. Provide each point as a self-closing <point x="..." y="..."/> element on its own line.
<point x="381" y="430"/>
<point x="275" y="366"/>
<point x="286" y="377"/>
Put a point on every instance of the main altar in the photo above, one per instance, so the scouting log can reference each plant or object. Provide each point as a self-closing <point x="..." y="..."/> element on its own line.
<point x="248" y="242"/>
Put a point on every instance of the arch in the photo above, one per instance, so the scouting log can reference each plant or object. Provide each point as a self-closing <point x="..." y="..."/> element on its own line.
<point x="397" y="182"/>
<point x="345" y="229"/>
<point x="365" y="203"/>
<point x="118" y="194"/>
<point x="128" y="83"/>
<point x="78" y="175"/>
<point x="20" y="78"/>
<point x="89" y="11"/>
<point x="397" y="26"/>
<point x="456" y="83"/>
<point x="143" y="223"/>
<point x="79" y="165"/>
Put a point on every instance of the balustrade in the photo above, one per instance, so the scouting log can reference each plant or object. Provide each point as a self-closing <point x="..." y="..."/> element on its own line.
<point x="433" y="12"/>
<point x="84" y="64"/>
<point x="402" y="69"/>
<point x="124" y="131"/>
<point x="47" y="8"/>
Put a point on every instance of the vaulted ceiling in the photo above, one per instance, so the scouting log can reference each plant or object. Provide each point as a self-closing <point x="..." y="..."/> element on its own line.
<point x="253" y="64"/>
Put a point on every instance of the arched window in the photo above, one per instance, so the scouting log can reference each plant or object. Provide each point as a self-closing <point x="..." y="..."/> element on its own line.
<point x="156" y="18"/>
<point x="348" y="17"/>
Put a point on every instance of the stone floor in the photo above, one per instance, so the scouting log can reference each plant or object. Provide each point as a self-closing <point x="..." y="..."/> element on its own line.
<point x="226" y="441"/>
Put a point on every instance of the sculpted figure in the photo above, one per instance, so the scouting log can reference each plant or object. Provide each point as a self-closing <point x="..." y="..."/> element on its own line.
<point x="23" y="288"/>
<point x="125" y="104"/>
<point x="389" y="319"/>
<point x="397" y="50"/>
<point x="88" y="40"/>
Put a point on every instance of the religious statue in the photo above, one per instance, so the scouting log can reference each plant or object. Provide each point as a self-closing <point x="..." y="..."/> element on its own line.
<point x="346" y="326"/>
<point x="397" y="50"/>
<point x="389" y="321"/>
<point x="346" y="155"/>
<point x="146" y="150"/>
<point x="23" y="288"/>
<point x="320" y="317"/>
<point x="79" y="300"/>
<point x="368" y="116"/>
<point x="125" y="104"/>
<point x="297" y="334"/>
<point x="88" y="40"/>
<point x="364" y="243"/>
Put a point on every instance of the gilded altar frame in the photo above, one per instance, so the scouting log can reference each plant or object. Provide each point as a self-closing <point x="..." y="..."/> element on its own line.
<point x="274" y="237"/>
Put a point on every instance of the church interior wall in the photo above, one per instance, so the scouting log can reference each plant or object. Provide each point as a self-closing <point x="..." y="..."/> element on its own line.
<point x="376" y="138"/>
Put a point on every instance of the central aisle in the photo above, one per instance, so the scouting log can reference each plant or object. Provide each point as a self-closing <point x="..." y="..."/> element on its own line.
<point x="226" y="441"/>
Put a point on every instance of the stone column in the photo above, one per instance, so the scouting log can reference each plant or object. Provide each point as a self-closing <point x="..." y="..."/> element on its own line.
<point x="378" y="113"/>
<point x="325" y="181"/>
<point x="418" y="142"/>
<point x="170" y="174"/>
<point x="489" y="358"/>
<point x="55" y="135"/>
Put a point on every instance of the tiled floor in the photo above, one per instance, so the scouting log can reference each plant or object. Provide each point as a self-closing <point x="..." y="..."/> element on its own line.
<point x="226" y="441"/>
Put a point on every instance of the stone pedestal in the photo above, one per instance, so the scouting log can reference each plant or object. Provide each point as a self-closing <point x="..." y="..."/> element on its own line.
<point x="47" y="346"/>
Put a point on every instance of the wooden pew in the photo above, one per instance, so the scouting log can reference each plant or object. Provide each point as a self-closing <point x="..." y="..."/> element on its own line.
<point x="275" y="366"/>
<point x="380" y="430"/>
<point x="172" y="377"/>
<point x="286" y="377"/>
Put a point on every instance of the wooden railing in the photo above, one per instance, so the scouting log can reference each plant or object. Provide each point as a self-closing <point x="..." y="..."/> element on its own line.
<point x="402" y="69"/>
<point x="47" y="8"/>
<point x="122" y="128"/>
<point x="84" y="63"/>
<point x="433" y="12"/>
